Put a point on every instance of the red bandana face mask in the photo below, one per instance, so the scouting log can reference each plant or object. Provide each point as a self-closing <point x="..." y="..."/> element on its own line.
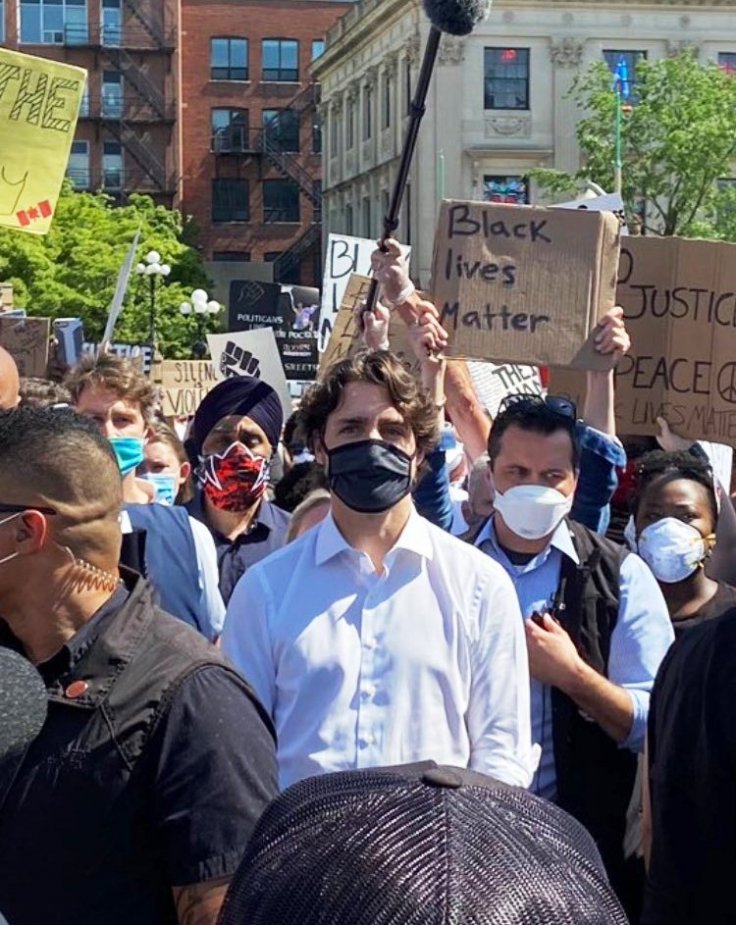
<point x="233" y="480"/>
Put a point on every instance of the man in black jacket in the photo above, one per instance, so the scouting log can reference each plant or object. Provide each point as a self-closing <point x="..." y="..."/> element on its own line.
<point x="135" y="802"/>
<point x="597" y="625"/>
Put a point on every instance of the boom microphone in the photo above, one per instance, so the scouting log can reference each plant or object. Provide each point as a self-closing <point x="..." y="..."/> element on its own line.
<point x="23" y="703"/>
<point x="457" y="17"/>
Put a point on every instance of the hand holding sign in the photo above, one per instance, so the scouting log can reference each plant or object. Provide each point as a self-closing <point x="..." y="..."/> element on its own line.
<point x="391" y="270"/>
<point x="373" y="325"/>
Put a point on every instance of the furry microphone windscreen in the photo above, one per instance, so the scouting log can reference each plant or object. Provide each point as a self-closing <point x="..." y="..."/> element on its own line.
<point x="23" y="702"/>
<point x="458" y="17"/>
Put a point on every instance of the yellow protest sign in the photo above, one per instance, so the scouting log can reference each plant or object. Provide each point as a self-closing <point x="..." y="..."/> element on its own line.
<point x="39" y="105"/>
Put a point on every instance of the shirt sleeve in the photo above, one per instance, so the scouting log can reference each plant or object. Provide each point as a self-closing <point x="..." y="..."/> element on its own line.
<point x="640" y="640"/>
<point x="499" y="722"/>
<point x="209" y="579"/>
<point x="246" y="638"/>
<point x="432" y="493"/>
<point x="214" y="774"/>
<point x="600" y="454"/>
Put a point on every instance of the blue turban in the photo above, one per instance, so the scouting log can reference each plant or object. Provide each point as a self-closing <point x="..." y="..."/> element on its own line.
<point x="243" y="396"/>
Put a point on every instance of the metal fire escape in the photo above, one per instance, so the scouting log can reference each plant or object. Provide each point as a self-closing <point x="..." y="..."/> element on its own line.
<point x="143" y="103"/>
<point x="267" y="143"/>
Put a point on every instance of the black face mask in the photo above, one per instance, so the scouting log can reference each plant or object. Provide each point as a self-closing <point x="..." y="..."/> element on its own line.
<point x="369" y="476"/>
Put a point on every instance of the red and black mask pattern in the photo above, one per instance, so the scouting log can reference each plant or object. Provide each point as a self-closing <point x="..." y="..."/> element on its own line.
<point x="235" y="479"/>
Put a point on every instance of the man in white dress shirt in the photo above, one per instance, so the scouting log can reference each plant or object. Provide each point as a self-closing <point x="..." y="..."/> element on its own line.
<point x="376" y="638"/>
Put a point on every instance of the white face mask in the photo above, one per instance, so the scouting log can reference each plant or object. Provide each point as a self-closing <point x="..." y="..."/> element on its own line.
<point x="7" y="520"/>
<point x="672" y="549"/>
<point x="532" y="511"/>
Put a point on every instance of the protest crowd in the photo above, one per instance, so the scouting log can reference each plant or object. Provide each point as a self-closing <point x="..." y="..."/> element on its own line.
<point x="380" y="658"/>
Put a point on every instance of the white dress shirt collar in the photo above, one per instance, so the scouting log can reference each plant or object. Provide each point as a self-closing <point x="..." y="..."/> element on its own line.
<point x="414" y="538"/>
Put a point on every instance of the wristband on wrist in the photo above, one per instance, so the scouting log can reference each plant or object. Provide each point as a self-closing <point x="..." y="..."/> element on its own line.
<point x="406" y="293"/>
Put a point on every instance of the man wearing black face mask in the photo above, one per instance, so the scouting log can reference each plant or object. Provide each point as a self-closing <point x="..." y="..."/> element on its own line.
<point x="377" y="638"/>
<point x="234" y="435"/>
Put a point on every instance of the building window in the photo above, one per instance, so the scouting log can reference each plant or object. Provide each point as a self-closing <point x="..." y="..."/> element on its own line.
<point x="367" y="227"/>
<point x="112" y="165"/>
<point x="84" y="105"/>
<point x="334" y="134"/>
<point x="230" y="200"/>
<point x="506" y="78"/>
<point x="271" y="256"/>
<point x="229" y="130"/>
<point x="78" y="168"/>
<point x="231" y="256"/>
<point x="348" y="220"/>
<point x="513" y="190"/>
<point x="112" y="94"/>
<point x="229" y="59"/>
<point x="622" y="64"/>
<point x="280" y="59"/>
<point x="53" y="22"/>
<point x="350" y="125"/>
<point x="318" y="48"/>
<point x="2" y="20"/>
<point x="280" y="201"/>
<point x="386" y="104"/>
<point x="367" y="112"/>
<point x="316" y="134"/>
<point x="407" y="88"/>
<point x="112" y="22"/>
<point x="727" y="61"/>
<point x="281" y="127"/>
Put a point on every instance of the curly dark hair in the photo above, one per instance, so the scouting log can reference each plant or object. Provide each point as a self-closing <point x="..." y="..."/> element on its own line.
<point x="379" y="367"/>
<point x="660" y="466"/>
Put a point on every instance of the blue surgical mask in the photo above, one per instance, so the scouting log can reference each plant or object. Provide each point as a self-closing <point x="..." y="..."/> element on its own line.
<point x="129" y="452"/>
<point x="166" y="486"/>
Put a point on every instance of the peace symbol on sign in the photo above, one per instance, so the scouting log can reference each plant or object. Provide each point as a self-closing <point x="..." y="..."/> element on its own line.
<point x="727" y="383"/>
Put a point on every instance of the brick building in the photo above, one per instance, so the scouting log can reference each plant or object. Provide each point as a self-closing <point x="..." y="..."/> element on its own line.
<point x="127" y="138"/>
<point x="251" y="139"/>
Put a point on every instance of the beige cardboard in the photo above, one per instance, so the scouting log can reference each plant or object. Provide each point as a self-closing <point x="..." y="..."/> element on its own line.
<point x="679" y="298"/>
<point x="345" y="339"/>
<point x="517" y="284"/>
<point x="27" y="341"/>
<point x="184" y="383"/>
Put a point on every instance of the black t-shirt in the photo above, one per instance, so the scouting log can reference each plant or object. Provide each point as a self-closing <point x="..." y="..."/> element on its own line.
<point x="692" y="751"/>
<point x="724" y="599"/>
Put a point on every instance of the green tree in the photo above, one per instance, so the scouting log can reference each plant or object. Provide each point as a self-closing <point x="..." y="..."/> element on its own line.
<point x="679" y="139"/>
<point x="72" y="271"/>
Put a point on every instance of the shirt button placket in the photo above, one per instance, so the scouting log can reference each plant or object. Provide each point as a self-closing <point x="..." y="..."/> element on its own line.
<point x="366" y="685"/>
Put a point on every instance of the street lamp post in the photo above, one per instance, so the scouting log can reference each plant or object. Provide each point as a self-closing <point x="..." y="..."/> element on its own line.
<point x="202" y="307"/>
<point x="153" y="269"/>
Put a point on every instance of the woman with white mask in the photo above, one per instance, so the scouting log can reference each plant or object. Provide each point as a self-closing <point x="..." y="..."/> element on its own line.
<point x="675" y="510"/>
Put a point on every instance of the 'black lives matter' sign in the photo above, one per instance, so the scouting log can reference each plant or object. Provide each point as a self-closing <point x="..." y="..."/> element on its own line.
<point x="523" y="285"/>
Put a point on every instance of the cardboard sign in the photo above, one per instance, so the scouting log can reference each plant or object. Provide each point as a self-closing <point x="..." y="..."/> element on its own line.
<point x="39" y="105"/>
<point x="679" y="300"/>
<point x="184" y="383"/>
<point x="345" y="255"/>
<point x="524" y="285"/>
<point x="290" y="311"/>
<point x="250" y="353"/>
<point x="27" y="341"/>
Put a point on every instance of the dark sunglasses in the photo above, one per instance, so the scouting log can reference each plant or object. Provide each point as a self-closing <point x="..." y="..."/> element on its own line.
<point x="555" y="404"/>
<point x="21" y="508"/>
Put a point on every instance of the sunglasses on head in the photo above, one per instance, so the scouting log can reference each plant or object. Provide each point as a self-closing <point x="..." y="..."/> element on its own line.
<point x="21" y="508"/>
<point x="556" y="404"/>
